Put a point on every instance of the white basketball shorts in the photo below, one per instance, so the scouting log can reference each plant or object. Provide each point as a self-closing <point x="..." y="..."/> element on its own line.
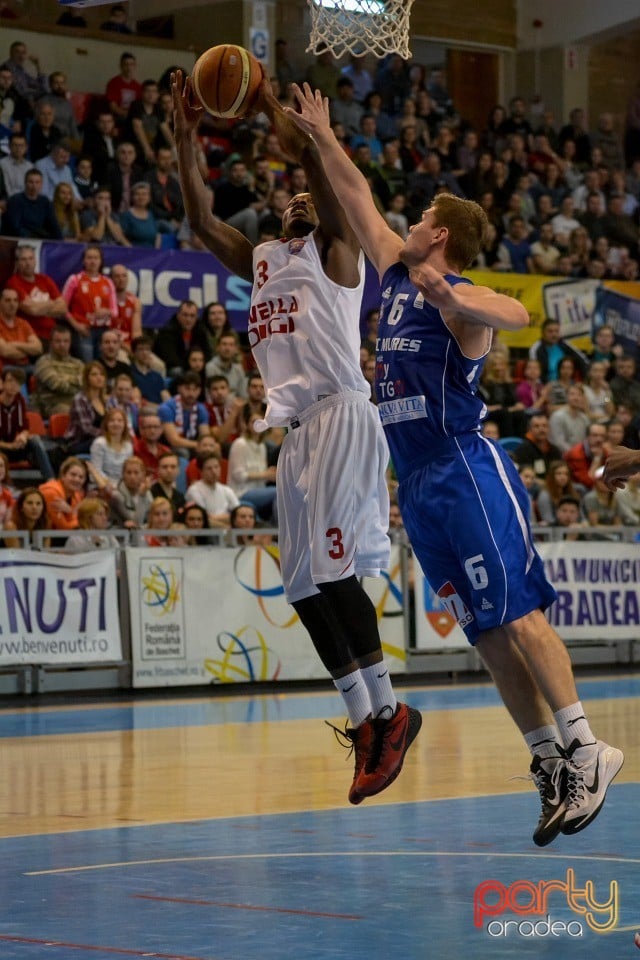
<point x="333" y="502"/>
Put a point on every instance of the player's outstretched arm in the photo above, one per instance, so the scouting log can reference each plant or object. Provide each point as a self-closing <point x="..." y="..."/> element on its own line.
<point x="621" y="464"/>
<point x="300" y="147"/>
<point x="229" y="245"/>
<point x="464" y="301"/>
<point x="379" y="242"/>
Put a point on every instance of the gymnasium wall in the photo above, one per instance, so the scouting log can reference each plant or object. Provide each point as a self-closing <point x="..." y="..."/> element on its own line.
<point x="90" y="61"/>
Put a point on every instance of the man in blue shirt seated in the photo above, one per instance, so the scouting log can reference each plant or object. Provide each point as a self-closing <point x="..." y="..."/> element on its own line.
<point x="184" y="419"/>
<point x="150" y="383"/>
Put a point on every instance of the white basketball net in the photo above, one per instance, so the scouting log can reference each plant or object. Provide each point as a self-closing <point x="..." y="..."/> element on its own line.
<point x="360" y="27"/>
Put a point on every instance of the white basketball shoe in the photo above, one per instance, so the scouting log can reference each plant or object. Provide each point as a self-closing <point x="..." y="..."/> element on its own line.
<point x="590" y="770"/>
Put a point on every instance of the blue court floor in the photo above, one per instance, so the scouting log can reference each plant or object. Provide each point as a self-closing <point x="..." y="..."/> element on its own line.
<point x="447" y="879"/>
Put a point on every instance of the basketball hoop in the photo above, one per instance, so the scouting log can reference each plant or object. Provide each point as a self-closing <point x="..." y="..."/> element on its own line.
<point x="360" y="27"/>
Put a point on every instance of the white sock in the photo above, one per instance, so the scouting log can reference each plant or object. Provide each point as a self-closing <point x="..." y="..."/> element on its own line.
<point x="353" y="691"/>
<point x="544" y="742"/>
<point x="378" y="682"/>
<point x="573" y="725"/>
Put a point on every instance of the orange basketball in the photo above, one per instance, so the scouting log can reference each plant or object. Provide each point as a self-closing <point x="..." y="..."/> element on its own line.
<point x="226" y="79"/>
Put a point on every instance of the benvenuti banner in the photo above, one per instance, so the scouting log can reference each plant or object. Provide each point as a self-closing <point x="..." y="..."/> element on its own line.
<point x="57" y="608"/>
<point x="202" y="615"/>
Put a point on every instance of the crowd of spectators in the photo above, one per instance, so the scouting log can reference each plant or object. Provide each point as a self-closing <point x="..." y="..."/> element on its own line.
<point x="157" y="427"/>
<point x="562" y="198"/>
<point x="559" y="412"/>
<point x="158" y="465"/>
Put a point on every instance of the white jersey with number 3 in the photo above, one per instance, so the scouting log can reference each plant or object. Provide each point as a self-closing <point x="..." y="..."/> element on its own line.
<point x="303" y="328"/>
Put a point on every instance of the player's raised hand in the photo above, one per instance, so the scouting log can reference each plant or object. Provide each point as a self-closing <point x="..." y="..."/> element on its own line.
<point x="622" y="463"/>
<point x="433" y="286"/>
<point x="314" y="111"/>
<point x="186" y="109"/>
<point x="265" y="100"/>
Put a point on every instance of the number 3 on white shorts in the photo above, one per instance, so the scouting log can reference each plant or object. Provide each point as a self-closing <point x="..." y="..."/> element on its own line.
<point x="476" y="572"/>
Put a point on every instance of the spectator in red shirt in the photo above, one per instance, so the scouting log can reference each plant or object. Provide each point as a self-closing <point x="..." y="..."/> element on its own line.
<point x="586" y="458"/>
<point x="19" y="345"/>
<point x="204" y="448"/>
<point x="123" y="89"/>
<point x="147" y="446"/>
<point x="129" y="320"/>
<point x="41" y="303"/>
<point x="91" y="299"/>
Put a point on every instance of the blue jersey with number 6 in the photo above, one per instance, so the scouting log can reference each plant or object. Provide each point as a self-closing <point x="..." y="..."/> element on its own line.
<point x="463" y="504"/>
<point x="426" y="387"/>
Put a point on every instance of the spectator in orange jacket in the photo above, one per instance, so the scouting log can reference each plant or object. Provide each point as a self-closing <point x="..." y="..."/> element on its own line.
<point x="64" y="495"/>
<point x="586" y="458"/>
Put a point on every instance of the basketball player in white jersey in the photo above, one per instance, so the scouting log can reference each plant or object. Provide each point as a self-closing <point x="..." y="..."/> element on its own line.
<point x="332" y="498"/>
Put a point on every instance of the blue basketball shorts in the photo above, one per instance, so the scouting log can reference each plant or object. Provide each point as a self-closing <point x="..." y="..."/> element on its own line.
<point x="466" y="514"/>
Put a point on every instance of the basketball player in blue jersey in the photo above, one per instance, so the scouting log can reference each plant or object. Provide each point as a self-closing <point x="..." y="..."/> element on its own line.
<point x="333" y="503"/>
<point x="463" y="504"/>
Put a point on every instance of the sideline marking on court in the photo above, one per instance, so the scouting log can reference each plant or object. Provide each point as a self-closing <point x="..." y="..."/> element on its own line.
<point x="334" y="853"/>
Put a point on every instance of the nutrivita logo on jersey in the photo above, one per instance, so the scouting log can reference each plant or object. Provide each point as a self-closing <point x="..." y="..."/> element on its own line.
<point x="534" y="903"/>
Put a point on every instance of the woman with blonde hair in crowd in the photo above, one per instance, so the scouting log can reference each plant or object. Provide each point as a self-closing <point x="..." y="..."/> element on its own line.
<point x="64" y="495"/>
<point x="600" y="406"/>
<point x="93" y="515"/>
<point x="160" y="517"/>
<point x="29" y="513"/>
<point x="111" y="449"/>
<point x="87" y="410"/>
<point x="557" y="484"/>
<point x="65" y="212"/>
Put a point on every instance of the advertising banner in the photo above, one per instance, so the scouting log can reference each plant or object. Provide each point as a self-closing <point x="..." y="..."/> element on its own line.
<point x="201" y="615"/>
<point x="571" y="302"/>
<point x="163" y="278"/>
<point x="598" y="596"/>
<point x="622" y="313"/>
<point x="58" y="608"/>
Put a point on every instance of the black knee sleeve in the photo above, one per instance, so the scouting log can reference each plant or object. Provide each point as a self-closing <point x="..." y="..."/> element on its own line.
<point x="326" y="632"/>
<point x="356" y="613"/>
